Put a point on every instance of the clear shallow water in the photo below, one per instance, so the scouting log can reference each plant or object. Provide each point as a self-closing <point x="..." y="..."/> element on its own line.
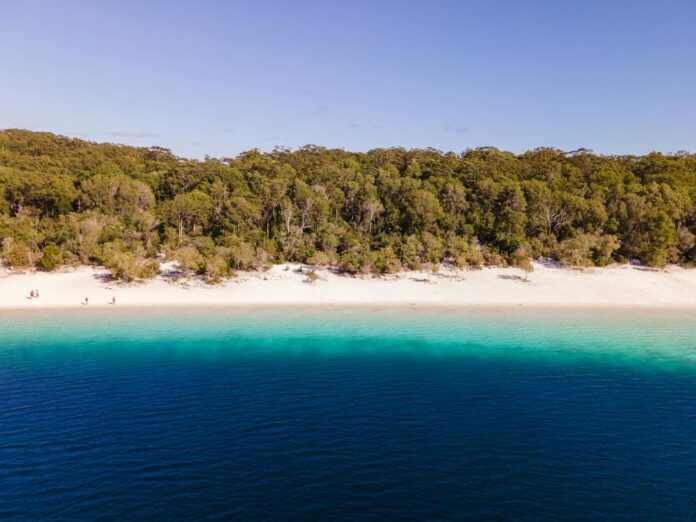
<point x="348" y="415"/>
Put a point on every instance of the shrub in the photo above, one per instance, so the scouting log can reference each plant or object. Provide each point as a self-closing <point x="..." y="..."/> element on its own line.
<point x="587" y="250"/>
<point x="410" y="253"/>
<point x="319" y="258"/>
<point x="189" y="259"/>
<point x="575" y="251"/>
<point x="351" y="263"/>
<point x="523" y="261"/>
<point x="51" y="258"/>
<point x="216" y="268"/>
<point x="128" y="266"/>
<point x="17" y="253"/>
<point x="385" y="261"/>
<point x="312" y="276"/>
<point x="464" y="252"/>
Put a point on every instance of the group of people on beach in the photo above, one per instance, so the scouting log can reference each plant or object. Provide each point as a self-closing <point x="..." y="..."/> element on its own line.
<point x="113" y="300"/>
<point x="34" y="294"/>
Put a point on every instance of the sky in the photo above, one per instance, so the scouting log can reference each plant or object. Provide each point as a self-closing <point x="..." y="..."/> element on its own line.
<point x="221" y="77"/>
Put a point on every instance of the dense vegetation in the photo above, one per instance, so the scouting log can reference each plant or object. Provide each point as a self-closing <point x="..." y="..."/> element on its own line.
<point x="68" y="201"/>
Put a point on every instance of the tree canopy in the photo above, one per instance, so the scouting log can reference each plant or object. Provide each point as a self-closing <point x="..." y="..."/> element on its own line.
<point x="69" y="201"/>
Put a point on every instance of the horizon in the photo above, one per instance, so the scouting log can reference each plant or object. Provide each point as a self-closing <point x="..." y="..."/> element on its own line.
<point x="223" y="78"/>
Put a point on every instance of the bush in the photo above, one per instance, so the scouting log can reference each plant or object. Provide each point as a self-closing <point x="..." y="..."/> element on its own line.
<point x="189" y="259"/>
<point x="433" y="250"/>
<point x="464" y="252"/>
<point x="216" y="268"/>
<point x="604" y="248"/>
<point x="128" y="266"/>
<point x="17" y="253"/>
<point x="575" y="251"/>
<point x="523" y="261"/>
<point x="410" y="253"/>
<point x="319" y="258"/>
<point x="587" y="250"/>
<point x="491" y="256"/>
<point x="243" y="256"/>
<point x="51" y="258"/>
<point x="351" y="263"/>
<point x="385" y="261"/>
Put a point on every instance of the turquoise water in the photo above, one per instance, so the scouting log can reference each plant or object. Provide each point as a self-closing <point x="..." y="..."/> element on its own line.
<point x="348" y="414"/>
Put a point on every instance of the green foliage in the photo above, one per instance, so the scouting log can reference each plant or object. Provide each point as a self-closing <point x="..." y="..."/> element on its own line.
<point x="51" y="258"/>
<point x="411" y="250"/>
<point x="575" y="251"/>
<point x="587" y="250"/>
<point x="216" y="267"/>
<point x="126" y="264"/>
<point x="186" y="212"/>
<point x="189" y="259"/>
<point x="17" y="253"/>
<point x="464" y="252"/>
<point x="385" y="261"/>
<point x="352" y="263"/>
<point x="242" y="256"/>
<point x="319" y="258"/>
<point x="65" y="200"/>
<point x="603" y="249"/>
<point x="522" y="261"/>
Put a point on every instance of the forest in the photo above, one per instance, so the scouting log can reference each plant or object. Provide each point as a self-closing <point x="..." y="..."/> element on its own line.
<point x="67" y="201"/>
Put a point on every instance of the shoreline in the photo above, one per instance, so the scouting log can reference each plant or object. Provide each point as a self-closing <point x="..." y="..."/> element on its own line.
<point x="619" y="286"/>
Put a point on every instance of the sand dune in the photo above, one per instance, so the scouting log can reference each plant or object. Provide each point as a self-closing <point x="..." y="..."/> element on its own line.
<point x="285" y="285"/>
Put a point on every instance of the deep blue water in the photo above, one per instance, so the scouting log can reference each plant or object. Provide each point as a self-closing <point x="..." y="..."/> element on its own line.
<point x="345" y="415"/>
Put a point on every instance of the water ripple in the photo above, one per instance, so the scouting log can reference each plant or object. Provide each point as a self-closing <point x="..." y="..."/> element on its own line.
<point x="344" y="415"/>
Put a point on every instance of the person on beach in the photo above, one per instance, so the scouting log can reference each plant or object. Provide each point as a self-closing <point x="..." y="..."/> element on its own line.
<point x="31" y="294"/>
<point x="86" y="300"/>
<point x="37" y="293"/>
<point x="113" y="300"/>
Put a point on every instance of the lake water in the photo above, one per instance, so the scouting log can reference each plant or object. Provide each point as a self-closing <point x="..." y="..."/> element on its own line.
<point x="340" y="414"/>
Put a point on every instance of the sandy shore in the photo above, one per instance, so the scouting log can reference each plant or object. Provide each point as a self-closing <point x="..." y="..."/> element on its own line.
<point x="620" y="286"/>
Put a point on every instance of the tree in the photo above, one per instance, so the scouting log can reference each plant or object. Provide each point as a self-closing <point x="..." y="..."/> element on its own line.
<point x="372" y="208"/>
<point x="511" y="218"/>
<point x="187" y="211"/>
<point x="427" y="206"/>
<point x="422" y="210"/>
<point x="31" y="192"/>
<point x="116" y="195"/>
<point x="661" y="240"/>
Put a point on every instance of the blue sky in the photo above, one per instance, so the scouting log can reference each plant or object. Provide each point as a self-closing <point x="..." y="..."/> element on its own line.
<point x="222" y="77"/>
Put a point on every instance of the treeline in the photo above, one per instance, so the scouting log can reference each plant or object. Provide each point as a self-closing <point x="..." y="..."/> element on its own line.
<point x="69" y="201"/>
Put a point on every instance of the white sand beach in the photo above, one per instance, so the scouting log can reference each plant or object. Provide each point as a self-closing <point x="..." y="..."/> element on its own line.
<point x="617" y="286"/>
